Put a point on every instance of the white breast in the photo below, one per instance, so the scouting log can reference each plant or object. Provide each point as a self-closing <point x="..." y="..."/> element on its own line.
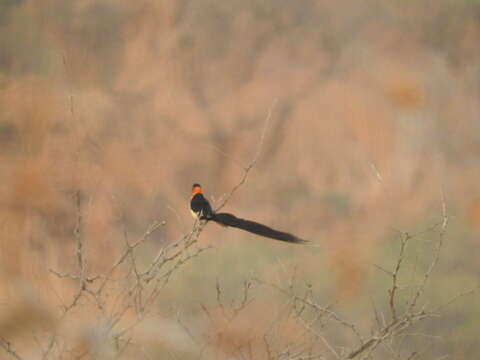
<point x="194" y="214"/>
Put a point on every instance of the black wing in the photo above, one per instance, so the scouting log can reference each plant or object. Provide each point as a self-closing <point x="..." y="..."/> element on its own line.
<point x="201" y="207"/>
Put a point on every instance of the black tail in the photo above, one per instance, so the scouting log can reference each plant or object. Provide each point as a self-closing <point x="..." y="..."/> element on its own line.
<point x="227" y="219"/>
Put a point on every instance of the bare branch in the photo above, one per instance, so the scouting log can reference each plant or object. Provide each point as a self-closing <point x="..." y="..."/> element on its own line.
<point x="436" y="256"/>
<point x="392" y="291"/>
<point x="9" y="349"/>
<point x="249" y="167"/>
<point x="316" y="307"/>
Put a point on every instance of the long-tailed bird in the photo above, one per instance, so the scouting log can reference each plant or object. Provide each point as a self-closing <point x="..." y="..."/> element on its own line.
<point x="202" y="210"/>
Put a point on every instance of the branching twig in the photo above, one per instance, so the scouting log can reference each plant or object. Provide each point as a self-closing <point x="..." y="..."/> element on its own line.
<point x="82" y="266"/>
<point x="410" y="316"/>
<point x="8" y="347"/>
<point x="392" y="291"/>
<point x="252" y="163"/>
<point x="316" y="307"/>
<point x="388" y="331"/>
<point x="436" y="256"/>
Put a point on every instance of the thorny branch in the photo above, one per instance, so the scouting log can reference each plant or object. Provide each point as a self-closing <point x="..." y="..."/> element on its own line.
<point x="252" y="163"/>
<point x="143" y="286"/>
<point x="8" y="347"/>
<point x="401" y="318"/>
<point x="410" y="315"/>
<point x="436" y="256"/>
<point x="318" y="308"/>
<point x="392" y="291"/>
<point x="77" y="232"/>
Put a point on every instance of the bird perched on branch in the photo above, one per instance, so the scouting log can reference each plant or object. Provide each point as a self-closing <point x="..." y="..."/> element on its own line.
<point x="202" y="210"/>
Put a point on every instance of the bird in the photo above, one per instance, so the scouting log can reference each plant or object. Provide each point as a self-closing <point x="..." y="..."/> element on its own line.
<point x="202" y="210"/>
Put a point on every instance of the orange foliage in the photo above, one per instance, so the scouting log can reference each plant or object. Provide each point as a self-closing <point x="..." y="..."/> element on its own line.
<point x="130" y="103"/>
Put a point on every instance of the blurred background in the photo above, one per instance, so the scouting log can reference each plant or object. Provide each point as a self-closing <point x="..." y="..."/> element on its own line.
<point x="375" y="113"/>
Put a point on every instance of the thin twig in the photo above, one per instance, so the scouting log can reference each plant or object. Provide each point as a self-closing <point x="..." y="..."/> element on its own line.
<point x="392" y="291"/>
<point x="317" y="307"/>
<point x="8" y="347"/>
<point x="436" y="256"/>
<point x="249" y="167"/>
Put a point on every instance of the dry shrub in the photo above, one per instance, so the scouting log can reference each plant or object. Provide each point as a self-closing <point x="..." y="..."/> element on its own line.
<point x="375" y="112"/>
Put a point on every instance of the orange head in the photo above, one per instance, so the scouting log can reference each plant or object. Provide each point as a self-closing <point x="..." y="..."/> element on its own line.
<point x="196" y="189"/>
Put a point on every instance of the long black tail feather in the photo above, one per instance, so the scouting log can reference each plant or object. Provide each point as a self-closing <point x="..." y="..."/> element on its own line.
<point x="227" y="219"/>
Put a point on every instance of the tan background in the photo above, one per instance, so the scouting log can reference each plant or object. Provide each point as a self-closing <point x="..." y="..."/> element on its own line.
<point x="374" y="114"/>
